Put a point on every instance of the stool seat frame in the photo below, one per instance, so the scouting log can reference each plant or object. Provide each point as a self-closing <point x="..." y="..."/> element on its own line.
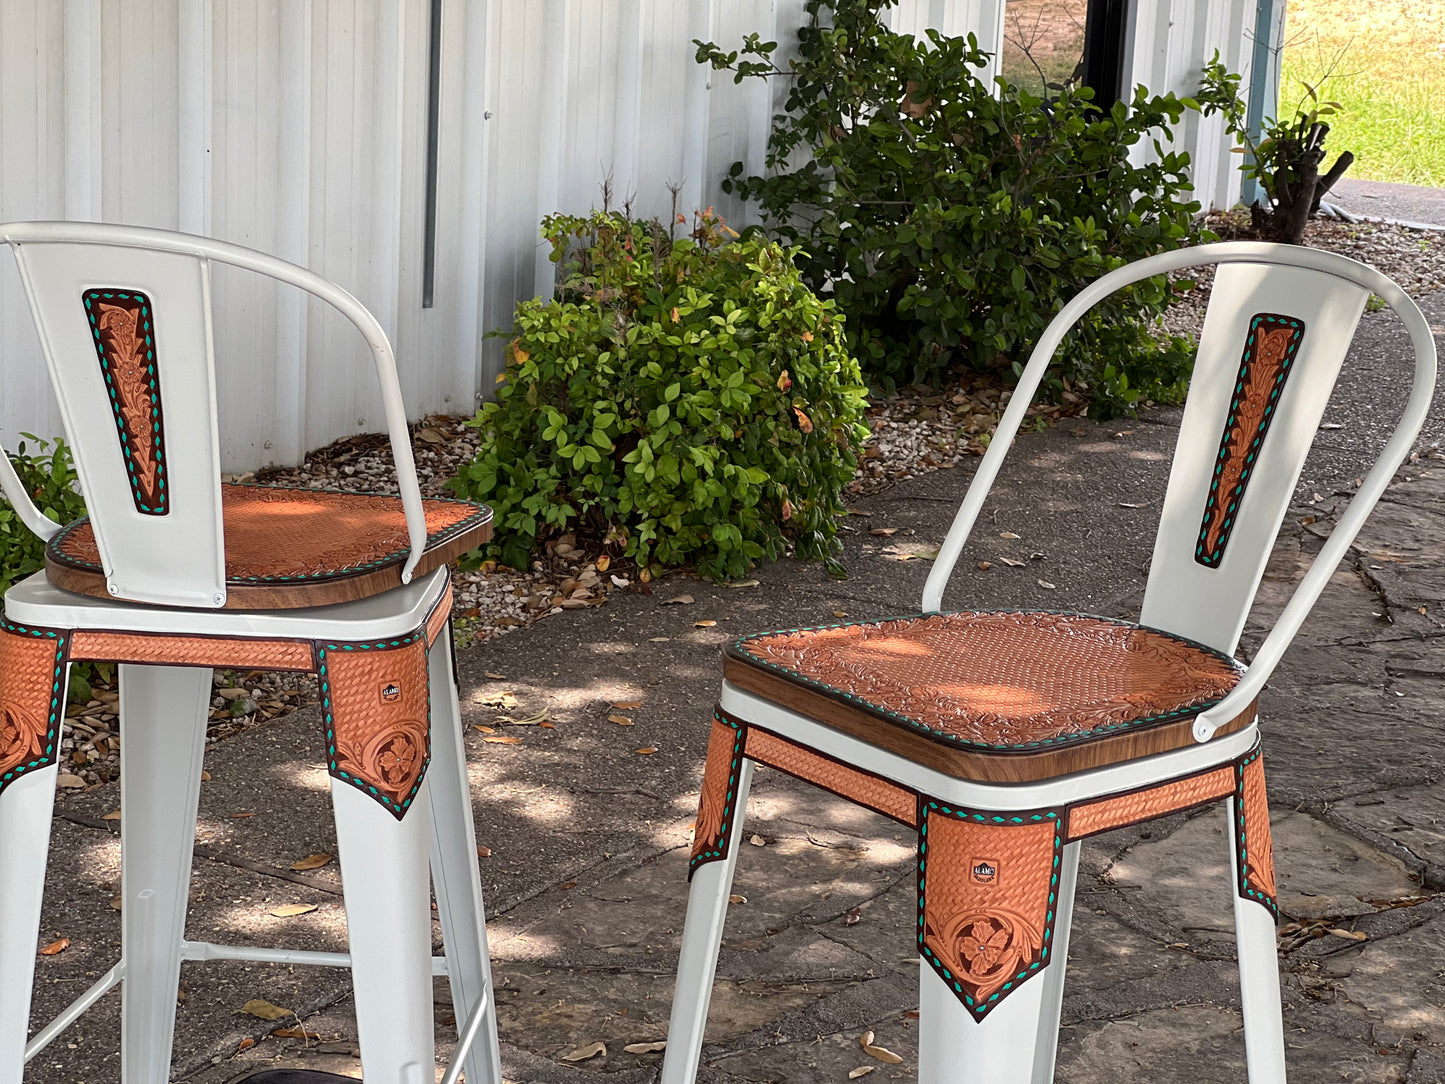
<point x="125" y="323"/>
<point x="998" y="860"/>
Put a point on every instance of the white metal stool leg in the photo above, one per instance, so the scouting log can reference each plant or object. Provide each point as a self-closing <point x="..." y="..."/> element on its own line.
<point x="25" y="811"/>
<point x="388" y="920"/>
<point x="1047" y="1050"/>
<point x="163" y="712"/>
<point x="707" y="904"/>
<point x="954" y="1048"/>
<point x="1255" y="938"/>
<point x="455" y="875"/>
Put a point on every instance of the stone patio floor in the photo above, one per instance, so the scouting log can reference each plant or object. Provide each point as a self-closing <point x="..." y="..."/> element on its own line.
<point x="588" y="836"/>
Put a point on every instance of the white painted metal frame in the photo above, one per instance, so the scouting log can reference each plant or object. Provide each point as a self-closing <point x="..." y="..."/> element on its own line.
<point x="387" y="864"/>
<point x="384" y="862"/>
<point x="1018" y="1040"/>
<point x="1334" y="289"/>
<point x="178" y="558"/>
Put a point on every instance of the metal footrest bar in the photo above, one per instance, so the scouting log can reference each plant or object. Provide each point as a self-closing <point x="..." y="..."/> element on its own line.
<point x="46" y="1035"/>
<point x="208" y="950"/>
<point x="468" y="1036"/>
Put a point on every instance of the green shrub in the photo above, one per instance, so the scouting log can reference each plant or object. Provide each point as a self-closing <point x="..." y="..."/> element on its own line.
<point x="682" y="401"/>
<point x="49" y="477"/>
<point x="951" y="220"/>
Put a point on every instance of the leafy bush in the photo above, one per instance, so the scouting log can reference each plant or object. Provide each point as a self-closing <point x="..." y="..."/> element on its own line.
<point x="49" y="477"/>
<point x="951" y="222"/>
<point x="683" y="400"/>
<point x="1285" y="160"/>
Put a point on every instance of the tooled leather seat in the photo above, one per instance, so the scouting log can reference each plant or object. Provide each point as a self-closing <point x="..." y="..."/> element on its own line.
<point x="287" y="548"/>
<point x="1007" y="696"/>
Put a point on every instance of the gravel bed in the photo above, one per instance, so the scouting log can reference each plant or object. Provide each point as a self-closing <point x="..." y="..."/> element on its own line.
<point x="1413" y="258"/>
<point x="913" y="433"/>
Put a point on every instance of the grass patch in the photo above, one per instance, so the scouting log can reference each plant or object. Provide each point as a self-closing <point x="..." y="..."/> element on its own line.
<point x="1390" y="80"/>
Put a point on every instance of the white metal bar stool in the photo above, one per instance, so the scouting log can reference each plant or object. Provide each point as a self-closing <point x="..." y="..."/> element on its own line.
<point x="172" y="574"/>
<point x="1005" y="738"/>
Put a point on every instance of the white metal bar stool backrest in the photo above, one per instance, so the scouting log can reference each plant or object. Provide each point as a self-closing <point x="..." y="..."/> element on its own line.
<point x="1279" y="323"/>
<point x="125" y="323"/>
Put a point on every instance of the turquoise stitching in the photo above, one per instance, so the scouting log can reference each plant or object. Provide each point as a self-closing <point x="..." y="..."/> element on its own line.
<point x="1241" y="840"/>
<point x="397" y="809"/>
<point x="1212" y="558"/>
<point x="57" y="692"/>
<point x="154" y="381"/>
<point x="734" y="769"/>
<point x="1189" y="711"/>
<point x="982" y="1008"/>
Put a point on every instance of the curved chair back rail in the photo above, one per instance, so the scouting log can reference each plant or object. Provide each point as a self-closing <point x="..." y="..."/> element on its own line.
<point x="125" y="323"/>
<point x="1279" y="323"/>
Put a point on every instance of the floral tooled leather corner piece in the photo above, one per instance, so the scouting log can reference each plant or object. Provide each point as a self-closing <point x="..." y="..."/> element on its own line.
<point x="1253" y="842"/>
<point x="988" y="888"/>
<point x="32" y="698"/>
<point x="378" y="718"/>
<point x="717" y="804"/>
<point x="122" y="325"/>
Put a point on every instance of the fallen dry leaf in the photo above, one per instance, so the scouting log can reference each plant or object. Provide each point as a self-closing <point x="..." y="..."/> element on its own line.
<point x="744" y="583"/>
<point x="582" y="1053"/>
<point x="862" y="1070"/>
<point x="484" y="729"/>
<point x="502" y="739"/>
<point x="645" y="1048"/>
<point x="703" y="624"/>
<point x="646" y="750"/>
<point x="735" y="898"/>
<point x="530" y="720"/>
<point x="315" y="861"/>
<point x="295" y="1033"/>
<point x="55" y="948"/>
<point x="658" y="639"/>
<point x="65" y="779"/>
<point x="627" y="705"/>
<point x="241" y="816"/>
<point x="113" y="815"/>
<point x="840" y="613"/>
<point x="1007" y="534"/>
<point x="620" y="581"/>
<point x="291" y="910"/>
<point x="620" y="720"/>
<point x="245" y="1044"/>
<point x="883" y="532"/>
<point x="1349" y="935"/>
<point x="264" y="1010"/>
<point x="494" y="677"/>
<point x="603" y="563"/>
<point x="547" y="726"/>
<point x="205" y="776"/>
<point x="1012" y="563"/>
<point x="984" y="566"/>
<point x="1046" y="585"/>
<point x="484" y="852"/>
<point x="680" y="600"/>
<point x="115" y="903"/>
<point x="757" y="840"/>
<point x="882" y="1053"/>
<point x="853" y="917"/>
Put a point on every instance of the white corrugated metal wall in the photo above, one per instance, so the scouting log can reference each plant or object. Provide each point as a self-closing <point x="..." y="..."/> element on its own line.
<point x="299" y="127"/>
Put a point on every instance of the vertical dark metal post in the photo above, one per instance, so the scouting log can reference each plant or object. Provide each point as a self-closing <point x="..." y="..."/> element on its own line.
<point x="1104" y="25"/>
<point x="433" y="120"/>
